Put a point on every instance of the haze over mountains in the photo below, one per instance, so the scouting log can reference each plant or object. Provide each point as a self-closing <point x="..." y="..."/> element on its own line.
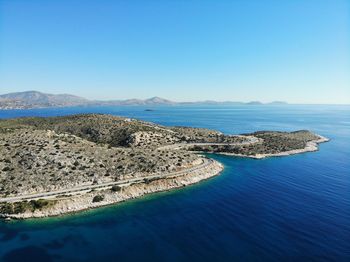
<point x="35" y="99"/>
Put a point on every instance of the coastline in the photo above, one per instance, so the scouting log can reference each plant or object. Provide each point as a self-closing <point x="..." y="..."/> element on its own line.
<point x="311" y="146"/>
<point x="53" y="166"/>
<point x="82" y="202"/>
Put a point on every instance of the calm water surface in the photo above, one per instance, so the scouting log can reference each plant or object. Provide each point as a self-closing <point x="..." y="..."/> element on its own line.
<point x="293" y="208"/>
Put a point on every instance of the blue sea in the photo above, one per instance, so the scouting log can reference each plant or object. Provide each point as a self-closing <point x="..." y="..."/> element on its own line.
<point x="294" y="208"/>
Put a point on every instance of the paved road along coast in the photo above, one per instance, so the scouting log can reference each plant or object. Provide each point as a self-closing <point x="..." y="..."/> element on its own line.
<point x="53" y="194"/>
<point x="80" y="189"/>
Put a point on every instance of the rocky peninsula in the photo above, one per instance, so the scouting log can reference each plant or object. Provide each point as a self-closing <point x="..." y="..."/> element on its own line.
<point x="52" y="166"/>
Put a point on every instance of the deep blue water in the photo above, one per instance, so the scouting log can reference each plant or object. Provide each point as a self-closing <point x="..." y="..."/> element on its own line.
<point x="294" y="208"/>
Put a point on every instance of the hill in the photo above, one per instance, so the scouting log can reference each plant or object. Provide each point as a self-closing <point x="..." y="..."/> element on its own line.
<point x="35" y="99"/>
<point x="51" y="166"/>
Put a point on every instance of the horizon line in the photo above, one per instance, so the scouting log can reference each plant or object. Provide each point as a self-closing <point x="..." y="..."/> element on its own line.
<point x="179" y="102"/>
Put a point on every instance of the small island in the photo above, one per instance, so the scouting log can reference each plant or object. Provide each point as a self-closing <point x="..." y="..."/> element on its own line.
<point x="57" y="165"/>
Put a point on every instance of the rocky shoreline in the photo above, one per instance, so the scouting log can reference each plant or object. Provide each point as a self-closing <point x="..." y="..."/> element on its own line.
<point x="85" y="201"/>
<point x="57" y="165"/>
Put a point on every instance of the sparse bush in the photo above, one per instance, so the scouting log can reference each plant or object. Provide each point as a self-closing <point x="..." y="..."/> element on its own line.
<point x="98" y="198"/>
<point x="21" y="207"/>
<point x="116" y="188"/>
<point x="39" y="204"/>
<point x="6" y="208"/>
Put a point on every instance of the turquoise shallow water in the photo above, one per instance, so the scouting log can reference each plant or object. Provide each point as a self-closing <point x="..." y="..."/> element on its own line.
<point x="277" y="209"/>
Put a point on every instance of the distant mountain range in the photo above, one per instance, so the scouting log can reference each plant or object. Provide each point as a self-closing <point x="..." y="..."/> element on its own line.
<point x="35" y="99"/>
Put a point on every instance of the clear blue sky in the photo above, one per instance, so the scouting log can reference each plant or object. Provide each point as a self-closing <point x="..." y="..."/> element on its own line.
<point x="296" y="50"/>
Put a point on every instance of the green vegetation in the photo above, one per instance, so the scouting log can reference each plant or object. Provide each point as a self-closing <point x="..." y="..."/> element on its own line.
<point x="98" y="198"/>
<point x="116" y="188"/>
<point x="21" y="207"/>
<point x="272" y="142"/>
<point x="39" y="204"/>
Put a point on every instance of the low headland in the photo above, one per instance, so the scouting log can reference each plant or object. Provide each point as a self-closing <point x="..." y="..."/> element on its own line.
<point x="58" y="165"/>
